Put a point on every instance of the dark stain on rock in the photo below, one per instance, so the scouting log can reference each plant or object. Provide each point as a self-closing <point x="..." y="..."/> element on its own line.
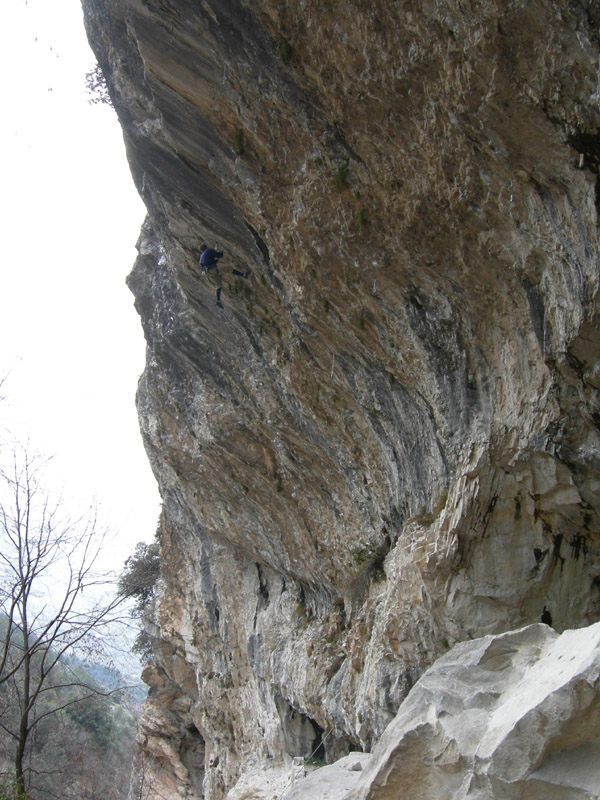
<point x="557" y="544"/>
<point x="587" y="144"/>
<point x="578" y="546"/>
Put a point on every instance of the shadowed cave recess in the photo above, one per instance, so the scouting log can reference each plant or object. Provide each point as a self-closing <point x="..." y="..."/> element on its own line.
<point x="386" y="441"/>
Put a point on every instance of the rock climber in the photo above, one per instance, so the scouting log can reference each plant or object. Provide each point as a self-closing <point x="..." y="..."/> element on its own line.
<point x="209" y="259"/>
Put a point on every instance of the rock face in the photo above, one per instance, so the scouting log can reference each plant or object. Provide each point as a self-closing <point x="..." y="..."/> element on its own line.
<point x="513" y="716"/>
<point x="386" y="441"/>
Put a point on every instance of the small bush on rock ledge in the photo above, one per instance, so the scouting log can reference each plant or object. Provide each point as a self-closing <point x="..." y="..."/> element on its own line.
<point x="137" y="581"/>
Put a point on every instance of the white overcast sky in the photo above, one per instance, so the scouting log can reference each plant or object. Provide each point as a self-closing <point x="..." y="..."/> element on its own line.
<point x="71" y="343"/>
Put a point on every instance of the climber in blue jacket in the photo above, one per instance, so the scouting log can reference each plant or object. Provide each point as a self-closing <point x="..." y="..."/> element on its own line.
<point x="209" y="259"/>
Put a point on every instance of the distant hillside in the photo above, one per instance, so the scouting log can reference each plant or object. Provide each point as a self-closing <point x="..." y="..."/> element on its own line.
<point x="110" y="677"/>
<point x="84" y="748"/>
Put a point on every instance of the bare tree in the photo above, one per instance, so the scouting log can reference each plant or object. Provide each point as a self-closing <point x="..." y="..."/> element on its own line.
<point x="47" y="563"/>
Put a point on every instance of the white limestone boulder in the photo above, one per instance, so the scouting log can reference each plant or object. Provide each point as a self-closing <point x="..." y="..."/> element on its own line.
<point x="332" y="782"/>
<point x="508" y="717"/>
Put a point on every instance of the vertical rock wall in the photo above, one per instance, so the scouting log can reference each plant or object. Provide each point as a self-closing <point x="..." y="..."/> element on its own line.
<point x="387" y="440"/>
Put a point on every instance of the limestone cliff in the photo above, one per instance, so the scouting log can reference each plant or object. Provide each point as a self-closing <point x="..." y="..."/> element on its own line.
<point x="386" y="441"/>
